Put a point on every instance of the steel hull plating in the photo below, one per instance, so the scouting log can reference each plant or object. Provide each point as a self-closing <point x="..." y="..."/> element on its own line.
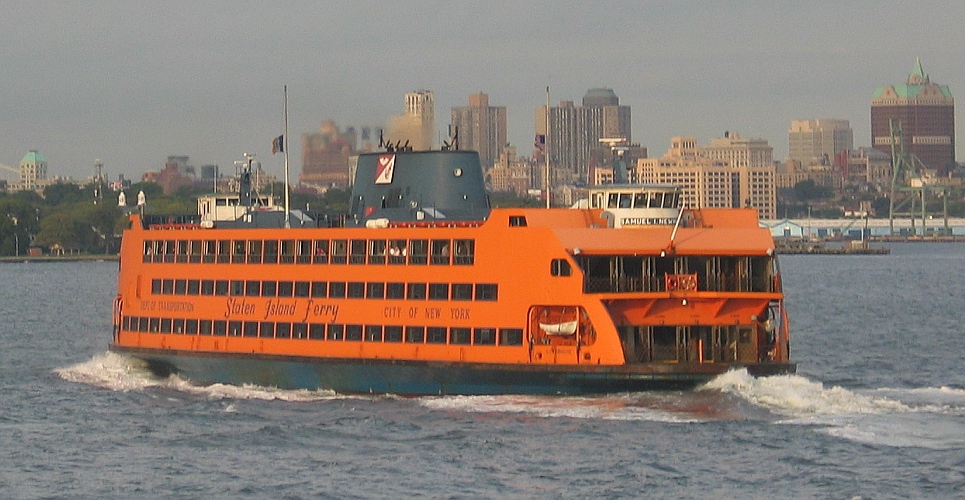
<point x="354" y="376"/>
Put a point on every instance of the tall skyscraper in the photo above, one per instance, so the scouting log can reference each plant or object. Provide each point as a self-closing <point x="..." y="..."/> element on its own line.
<point x="325" y="157"/>
<point x="481" y="127"/>
<point x="575" y="130"/>
<point x="816" y="142"/>
<point x="926" y="112"/>
<point x="420" y="106"/>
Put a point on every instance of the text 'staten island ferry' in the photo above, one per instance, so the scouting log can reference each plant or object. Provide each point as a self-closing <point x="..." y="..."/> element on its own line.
<point x="423" y="289"/>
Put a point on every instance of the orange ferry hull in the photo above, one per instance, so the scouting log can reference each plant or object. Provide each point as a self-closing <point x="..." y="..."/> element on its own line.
<point x="413" y="378"/>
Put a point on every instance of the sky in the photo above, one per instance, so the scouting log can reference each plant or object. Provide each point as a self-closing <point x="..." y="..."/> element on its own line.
<point x="131" y="83"/>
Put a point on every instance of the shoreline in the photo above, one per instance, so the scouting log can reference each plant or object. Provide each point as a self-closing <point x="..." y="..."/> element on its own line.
<point x="27" y="259"/>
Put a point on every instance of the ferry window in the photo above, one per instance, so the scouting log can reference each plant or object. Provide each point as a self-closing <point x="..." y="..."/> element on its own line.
<point x="669" y="200"/>
<point x="319" y="289"/>
<point x="436" y="335"/>
<point x="165" y="325"/>
<point x="336" y="332"/>
<point x="237" y="288"/>
<point x="336" y="289"/>
<point x="612" y="200"/>
<point x="254" y="251"/>
<point x="194" y="286"/>
<point x="461" y="336"/>
<point x="156" y="286"/>
<point x="440" y="251"/>
<point x="169" y="251"/>
<point x="180" y="287"/>
<point x="484" y="336"/>
<point x="286" y="288"/>
<point x="221" y="287"/>
<point x="626" y="200"/>
<point x="517" y="221"/>
<point x="288" y="251"/>
<point x="220" y="328"/>
<point x="251" y="329"/>
<point x="415" y="335"/>
<point x="158" y="251"/>
<point x="224" y="251"/>
<point x="461" y="291"/>
<point x="377" y="252"/>
<point x="418" y="251"/>
<point x="126" y="323"/>
<point x="155" y="325"/>
<point x="191" y="327"/>
<point x="357" y="252"/>
<point x="207" y="287"/>
<point x="356" y="290"/>
<point x="397" y="251"/>
<point x="511" y="336"/>
<point x="300" y="330"/>
<point x="238" y="252"/>
<point x="438" y="291"/>
<point x="560" y="267"/>
<point x="373" y="333"/>
<point x="465" y="252"/>
<point x="353" y="332"/>
<point x="267" y="330"/>
<point x="194" y="251"/>
<point x="656" y="200"/>
<point x="303" y="251"/>
<point x="375" y="290"/>
<point x="269" y="288"/>
<point x="302" y="288"/>
<point x="204" y="327"/>
<point x="271" y="252"/>
<point x="339" y="251"/>
<point x="178" y="325"/>
<point x="416" y="291"/>
<point x="167" y="287"/>
<point x="395" y="290"/>
<point x="283" y="330"/>
<point x="393" y="334"/>
<point x="487" y="291"/>
<point x="252" y="288"/>
<point x="148" y="251"/>
<point x="210" y="249"/>
<point x="640" y="200"/>
<point x="321" y="252"/>
<point x="234" y="328"/>
<point x="316" y="331"/>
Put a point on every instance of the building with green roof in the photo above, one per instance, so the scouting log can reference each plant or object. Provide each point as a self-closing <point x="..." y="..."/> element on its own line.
<point x="925" y="113"/>
<point x="33" y="171"/>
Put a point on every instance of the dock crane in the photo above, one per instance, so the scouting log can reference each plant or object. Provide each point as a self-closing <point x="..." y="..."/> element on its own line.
<point x="908" y="171"/>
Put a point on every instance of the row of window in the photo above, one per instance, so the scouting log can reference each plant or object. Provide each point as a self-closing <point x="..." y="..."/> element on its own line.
<point x="355" y="251"/>
<point x="327" y="331"/>
<point x="328" y="289"/>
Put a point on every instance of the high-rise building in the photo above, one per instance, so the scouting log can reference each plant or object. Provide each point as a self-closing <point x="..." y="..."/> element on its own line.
<point x="420" y="107"/>
<point x="816" y="142"/>
<point x="575" y="130"/>
<point x="33" y="171"/>
<point x="717" y="176"/>
<point x="325" y="157"/>
<point x="926" y="113"/>
<point x="481" y="127"/>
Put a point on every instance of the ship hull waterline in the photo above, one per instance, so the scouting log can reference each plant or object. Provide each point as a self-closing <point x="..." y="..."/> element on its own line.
<point x="417" y="378"/>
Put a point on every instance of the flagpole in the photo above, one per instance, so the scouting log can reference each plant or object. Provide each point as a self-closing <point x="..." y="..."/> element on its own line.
<point x="285" y="147"/>
<point x="546" y="149"/>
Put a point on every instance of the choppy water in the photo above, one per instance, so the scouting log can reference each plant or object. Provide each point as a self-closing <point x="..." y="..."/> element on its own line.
<point x="876" y="411"/>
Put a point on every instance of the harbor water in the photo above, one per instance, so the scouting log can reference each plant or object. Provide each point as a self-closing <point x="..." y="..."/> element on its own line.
<point x="876" y="410"/>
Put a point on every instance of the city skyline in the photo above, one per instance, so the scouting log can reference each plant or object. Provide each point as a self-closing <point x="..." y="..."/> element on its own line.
<point x="133" y="84"/>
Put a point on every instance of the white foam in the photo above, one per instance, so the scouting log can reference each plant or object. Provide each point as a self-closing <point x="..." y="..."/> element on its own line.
<point x="598" y="408"/>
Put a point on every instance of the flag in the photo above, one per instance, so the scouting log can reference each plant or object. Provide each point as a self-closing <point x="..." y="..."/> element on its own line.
<point x="278" y="144"/>
<point x="540" y="141"/>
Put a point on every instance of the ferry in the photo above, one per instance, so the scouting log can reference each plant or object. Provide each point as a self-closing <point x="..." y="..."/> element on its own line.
<point x="422" y="288"/>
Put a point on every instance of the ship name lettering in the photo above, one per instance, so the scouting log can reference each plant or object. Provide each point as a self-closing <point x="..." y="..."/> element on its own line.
<point x="175" y="305"/>
<point x="314" y="309"/>
<point x="433" y="313"/>
<point x="278" y="308"/>
<point x="392" y="312"/>
<point x="236" y="306"/>
<point x="642" y="221"/>
<point x="460" y="312"/>
<point x="148" y="305"/>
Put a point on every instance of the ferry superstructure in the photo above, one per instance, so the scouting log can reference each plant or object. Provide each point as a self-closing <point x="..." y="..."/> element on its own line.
<point x="422" y="288"/>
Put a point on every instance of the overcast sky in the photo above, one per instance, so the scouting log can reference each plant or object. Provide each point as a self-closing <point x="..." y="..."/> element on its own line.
<point x="133" y="82"/>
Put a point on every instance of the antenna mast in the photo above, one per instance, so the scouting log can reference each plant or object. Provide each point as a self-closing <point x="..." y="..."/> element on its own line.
<point x="287" y="186"/>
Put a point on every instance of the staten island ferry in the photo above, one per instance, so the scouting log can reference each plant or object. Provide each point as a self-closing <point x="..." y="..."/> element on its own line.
<point x="421" y="288"/>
